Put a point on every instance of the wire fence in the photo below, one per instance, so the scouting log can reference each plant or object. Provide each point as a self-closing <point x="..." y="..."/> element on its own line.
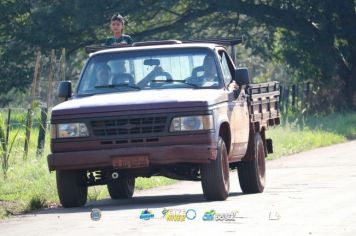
<point x="17" y="120"/>
<point x="295" y="97"/>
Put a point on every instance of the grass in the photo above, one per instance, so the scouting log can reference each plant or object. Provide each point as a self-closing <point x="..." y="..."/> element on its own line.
<point x="301" y="135"/>
<point x="30" y="186"/>
<point x="289" y="140"/>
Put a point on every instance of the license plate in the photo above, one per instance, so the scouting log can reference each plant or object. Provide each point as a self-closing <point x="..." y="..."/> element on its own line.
<point x="130" y="162"/>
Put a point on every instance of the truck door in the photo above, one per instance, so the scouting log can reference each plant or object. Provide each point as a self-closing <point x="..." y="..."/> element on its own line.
<point x="237" y="109"/>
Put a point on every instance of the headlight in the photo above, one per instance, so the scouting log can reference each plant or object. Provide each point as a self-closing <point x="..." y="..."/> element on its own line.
<point x="191" y="123"/>
<point x="69" y="130"/>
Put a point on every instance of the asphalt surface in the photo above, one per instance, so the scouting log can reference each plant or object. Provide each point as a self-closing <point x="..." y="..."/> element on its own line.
<point x="311" y="193"/>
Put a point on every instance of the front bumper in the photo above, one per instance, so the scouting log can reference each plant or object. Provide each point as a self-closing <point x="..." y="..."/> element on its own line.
<point x="170" y="154"/>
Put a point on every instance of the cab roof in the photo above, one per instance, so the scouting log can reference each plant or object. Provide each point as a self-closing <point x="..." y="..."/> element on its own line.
<point x="164" y="44"/>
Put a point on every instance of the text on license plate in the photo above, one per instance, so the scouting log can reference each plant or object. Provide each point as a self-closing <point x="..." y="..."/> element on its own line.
<point x="130" y="162"/>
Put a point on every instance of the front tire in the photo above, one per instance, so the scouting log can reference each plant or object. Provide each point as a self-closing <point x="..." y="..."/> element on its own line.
<point x="122" y="188"/>
<point x="215" y="179"/>
<point x="252" y="172"/>
<point x="72" y="188"/>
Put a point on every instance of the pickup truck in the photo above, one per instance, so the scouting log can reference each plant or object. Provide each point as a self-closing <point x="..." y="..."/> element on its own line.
<point x="179" y="109"/>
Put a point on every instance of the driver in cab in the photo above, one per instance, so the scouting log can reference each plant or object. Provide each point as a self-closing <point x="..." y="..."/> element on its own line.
<point x="103" y="75"/>
<point x="210" y="74"/>
<point x="205" y="75"/>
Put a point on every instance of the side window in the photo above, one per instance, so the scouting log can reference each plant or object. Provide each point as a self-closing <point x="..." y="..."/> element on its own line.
<point x="225" y="67"/>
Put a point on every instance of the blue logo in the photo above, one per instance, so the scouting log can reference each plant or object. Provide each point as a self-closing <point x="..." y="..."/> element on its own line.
<point x="146" y="215"/>
<point x="212" y="215"/>
<point x="209" y="215"/>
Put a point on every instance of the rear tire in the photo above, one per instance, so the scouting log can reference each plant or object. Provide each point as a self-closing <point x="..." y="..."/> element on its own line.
<point x="252" y="172"/>
<point x="121" y="188"/>
<point x="215" y="179"/>
<point x="72" y="188"/>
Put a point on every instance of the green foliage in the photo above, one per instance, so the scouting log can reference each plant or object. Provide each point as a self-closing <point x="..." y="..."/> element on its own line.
<point x="289" y="140"/>
<point x="338" y="123"/>
<point x="6" y="145"/>
<point x="36" y="203"/>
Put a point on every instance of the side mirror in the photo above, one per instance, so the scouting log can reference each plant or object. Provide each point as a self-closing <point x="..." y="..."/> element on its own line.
<point x="241" y="76"/>
<point x="65" y="89"/>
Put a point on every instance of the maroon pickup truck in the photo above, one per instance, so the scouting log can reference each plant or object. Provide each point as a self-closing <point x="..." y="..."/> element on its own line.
<point x="169" y="108"/>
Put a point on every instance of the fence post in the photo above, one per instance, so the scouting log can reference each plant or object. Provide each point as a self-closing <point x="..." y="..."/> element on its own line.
<point x="302" y="95"/>
<point x="30" y="110"/>
<point x="8" y="127"/>
<point x="50" y="80"/>
<point x="297" y="92"/>
<point x="42" y="132"/>
<point x="28" y="132"/>
<point x="286" y="99"/>
<point x="281" y="98"/>
<point x="63" y="64"/>
<point x="293" y="95"/>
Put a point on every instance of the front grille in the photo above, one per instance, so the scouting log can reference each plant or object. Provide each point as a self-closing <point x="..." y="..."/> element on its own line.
<point x="129" y="126"/>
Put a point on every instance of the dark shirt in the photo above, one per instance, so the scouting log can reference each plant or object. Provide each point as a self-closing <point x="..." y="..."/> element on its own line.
<point x="123" y="39"/>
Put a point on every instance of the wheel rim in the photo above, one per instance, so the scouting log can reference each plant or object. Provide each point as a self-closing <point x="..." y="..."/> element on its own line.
<point x="261" y="163"/>
<point x="225" y="168"/>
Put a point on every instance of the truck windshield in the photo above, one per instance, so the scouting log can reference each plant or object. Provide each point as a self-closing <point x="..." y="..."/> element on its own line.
<point x="150" y="69"/>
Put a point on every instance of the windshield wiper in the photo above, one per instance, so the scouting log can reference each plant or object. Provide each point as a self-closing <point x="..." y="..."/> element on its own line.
<point x="118" y="86"/>
<point x="180" y="81"/>
<point x="193" y="85"/>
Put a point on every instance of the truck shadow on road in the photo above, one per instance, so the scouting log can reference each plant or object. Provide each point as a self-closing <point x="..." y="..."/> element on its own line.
<point x="138" y="202"/>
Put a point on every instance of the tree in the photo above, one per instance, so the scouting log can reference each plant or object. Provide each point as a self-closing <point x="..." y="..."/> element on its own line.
<point x="27" y="26"/>
<point x="316" y="39"/>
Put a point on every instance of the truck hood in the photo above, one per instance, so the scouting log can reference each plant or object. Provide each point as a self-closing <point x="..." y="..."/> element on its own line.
<point x="141" y="100"/>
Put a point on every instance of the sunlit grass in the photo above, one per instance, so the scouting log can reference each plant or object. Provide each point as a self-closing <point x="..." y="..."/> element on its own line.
<point x="288" y="140"/>
<point x="313" y="132"/>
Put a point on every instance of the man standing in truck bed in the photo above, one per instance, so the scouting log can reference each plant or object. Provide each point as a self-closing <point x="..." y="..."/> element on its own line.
<point x="117" y="25"/>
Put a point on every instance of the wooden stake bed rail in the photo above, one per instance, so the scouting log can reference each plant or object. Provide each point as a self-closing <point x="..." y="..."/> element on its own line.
<point x="263" y="102"/>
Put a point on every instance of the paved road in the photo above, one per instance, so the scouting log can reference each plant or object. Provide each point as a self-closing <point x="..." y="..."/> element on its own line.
<point x="311" y="193"/>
